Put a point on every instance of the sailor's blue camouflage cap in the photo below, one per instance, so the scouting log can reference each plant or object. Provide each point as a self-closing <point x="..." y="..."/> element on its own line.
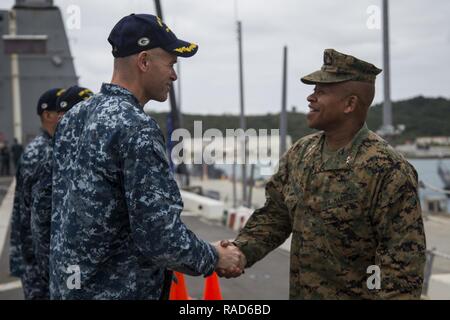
<point x="139" y="32"/>
<point x="47" y="101"/>
<point x="71" y="96"/>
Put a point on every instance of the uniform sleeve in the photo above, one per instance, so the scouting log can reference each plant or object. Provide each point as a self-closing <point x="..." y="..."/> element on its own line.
<point x="154" y="205"/>
<point x="41" y="217"/>
<point x="400" y="235"/>
<point x="15" y="255"/>
<point x="26" y="240"/>
<point x="268" y="227"/>
<point x="23" y="259"/>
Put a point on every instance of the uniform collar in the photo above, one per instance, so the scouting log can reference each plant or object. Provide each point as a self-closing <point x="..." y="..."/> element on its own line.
<point x="45" y="134"/>
<point x="344" y="158"/>
<point x="116" y="90"/>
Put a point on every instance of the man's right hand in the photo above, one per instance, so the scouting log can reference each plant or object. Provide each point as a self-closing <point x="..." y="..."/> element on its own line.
<point x="231" y="260"/>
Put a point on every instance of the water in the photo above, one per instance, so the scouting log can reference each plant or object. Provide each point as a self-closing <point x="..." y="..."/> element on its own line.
<point x="426" y="169"/>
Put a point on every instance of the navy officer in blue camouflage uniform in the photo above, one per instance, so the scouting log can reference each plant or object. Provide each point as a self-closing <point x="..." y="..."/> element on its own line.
<point x="42" y="191"/>
<point x="23" y="262"/>
<point x="116" y="227"/>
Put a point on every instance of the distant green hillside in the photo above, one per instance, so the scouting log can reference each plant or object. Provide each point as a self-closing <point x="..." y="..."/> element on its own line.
<point x="421" y="116"/>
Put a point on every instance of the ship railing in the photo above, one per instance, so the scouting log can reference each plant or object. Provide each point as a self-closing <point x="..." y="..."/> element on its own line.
<point x="430" y="258"/>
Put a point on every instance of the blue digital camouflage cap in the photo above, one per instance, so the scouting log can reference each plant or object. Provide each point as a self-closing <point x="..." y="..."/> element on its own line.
<point x="71" y="96"/>
<point x="47" y="101"/>
<point x="139" y="32"/>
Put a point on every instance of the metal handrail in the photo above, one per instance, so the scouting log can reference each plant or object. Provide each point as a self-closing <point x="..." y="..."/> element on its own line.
<point x="424" y="185"/>
<point x="431" y="254"/>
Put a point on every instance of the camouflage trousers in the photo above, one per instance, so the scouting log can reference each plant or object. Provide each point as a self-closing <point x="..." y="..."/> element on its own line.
<point x="35" y="286"/>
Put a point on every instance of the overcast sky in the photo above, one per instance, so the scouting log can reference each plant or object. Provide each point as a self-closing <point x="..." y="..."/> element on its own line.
<point x="419" y="31"/>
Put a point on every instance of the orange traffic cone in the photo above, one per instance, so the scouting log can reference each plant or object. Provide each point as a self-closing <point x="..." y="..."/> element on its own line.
<point x="178" y="290"/>
<point x="212" y="288"/>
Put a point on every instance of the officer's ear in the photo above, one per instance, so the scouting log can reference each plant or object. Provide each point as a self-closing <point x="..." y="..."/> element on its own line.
<point x="48" y="116"/>
<point x="45" y="116"/>
<point x="351" y="103"/>
<point x="143" y="61"/>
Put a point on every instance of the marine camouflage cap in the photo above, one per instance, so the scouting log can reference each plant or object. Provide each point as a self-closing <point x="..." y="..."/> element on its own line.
<point x="339" y="67"/>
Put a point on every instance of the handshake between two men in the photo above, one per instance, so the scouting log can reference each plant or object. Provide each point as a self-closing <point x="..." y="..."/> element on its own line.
<point x="231" y="259"/>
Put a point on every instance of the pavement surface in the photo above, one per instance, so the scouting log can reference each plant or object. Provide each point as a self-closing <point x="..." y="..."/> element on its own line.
<point x="267" y="279"/>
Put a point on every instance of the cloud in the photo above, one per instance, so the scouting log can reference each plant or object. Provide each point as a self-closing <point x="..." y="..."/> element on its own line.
<point x="419" y="31"/>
